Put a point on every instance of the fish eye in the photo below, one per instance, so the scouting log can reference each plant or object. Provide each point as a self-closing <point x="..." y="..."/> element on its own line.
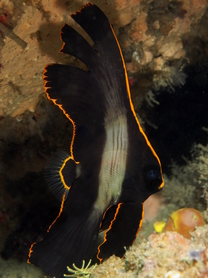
<point x="152" y="174"/>
<point x="152" y="178"/>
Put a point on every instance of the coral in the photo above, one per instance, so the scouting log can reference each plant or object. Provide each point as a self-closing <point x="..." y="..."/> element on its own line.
<point x="84" y="271"/>
<point x="184" y="221"/>
<point x="182" y="187"/>
<point x="200" y="164"/>
<point x="146" y="34"/>
<point x="173" y="274"/>
<point x="6" y="5"/>
<point x="186" y="187"/>
<point x="168" y="77"/>
<point x="159" y="226"/>
<point x="162" y="254"/>
<point x="152" y="207"/>
<point x="159" y="42"/>
<point x="152" y="34"/>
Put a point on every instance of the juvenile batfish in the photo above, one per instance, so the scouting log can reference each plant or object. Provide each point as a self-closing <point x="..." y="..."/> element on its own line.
<point x="112" y="168"/>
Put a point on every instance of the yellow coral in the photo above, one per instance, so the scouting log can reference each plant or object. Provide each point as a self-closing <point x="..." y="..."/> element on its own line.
<point x="158" y="226"/>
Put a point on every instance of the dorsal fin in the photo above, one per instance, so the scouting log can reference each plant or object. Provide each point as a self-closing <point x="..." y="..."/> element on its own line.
<point x="90" y="99"/>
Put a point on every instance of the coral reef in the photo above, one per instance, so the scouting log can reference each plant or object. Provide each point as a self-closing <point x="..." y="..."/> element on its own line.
<point x="172" y="252"/>
<point x="151" y="35"/>
<point x="157" y="256"/>
<point x="159" y="39"/>
<point x="200" y="163"/>
<point x="189" y="181"/>
<point x="157" y="42"/>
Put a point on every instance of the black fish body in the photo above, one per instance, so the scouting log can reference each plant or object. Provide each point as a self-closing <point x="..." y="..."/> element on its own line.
<point x="112" y="168"/>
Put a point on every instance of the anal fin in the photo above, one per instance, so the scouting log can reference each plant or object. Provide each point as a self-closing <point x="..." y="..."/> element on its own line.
<point x="71" y="239"/>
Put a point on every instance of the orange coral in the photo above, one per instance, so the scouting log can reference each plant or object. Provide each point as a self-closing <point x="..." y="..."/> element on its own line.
<point x="184" y="221"/>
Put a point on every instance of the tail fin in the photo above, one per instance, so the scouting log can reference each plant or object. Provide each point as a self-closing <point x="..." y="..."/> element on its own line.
<point x="71" y="239"/>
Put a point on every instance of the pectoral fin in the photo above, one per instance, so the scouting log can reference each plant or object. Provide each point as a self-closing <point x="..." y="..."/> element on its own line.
<point x="60" y="172"/>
